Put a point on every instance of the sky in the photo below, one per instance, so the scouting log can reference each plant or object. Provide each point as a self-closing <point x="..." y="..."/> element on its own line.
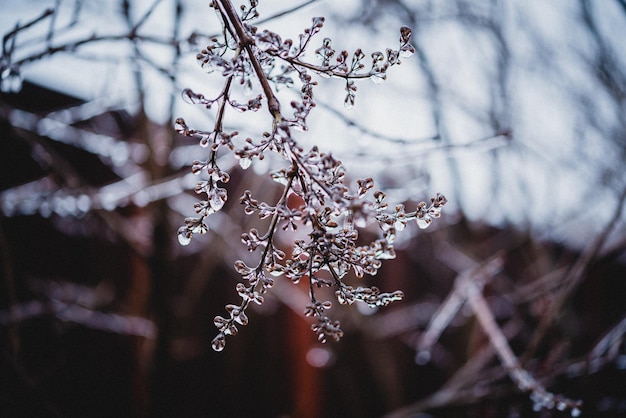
<point x="526" y="132"/>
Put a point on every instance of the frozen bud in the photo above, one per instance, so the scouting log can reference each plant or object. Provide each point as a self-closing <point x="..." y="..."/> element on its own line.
<point x="192" y="98"/>
<point x="241" y="318"/>
<point x="231" y="330"/>
<point x="182" y="128"/>
<point x="198" y="166"/>
<point x="220" y="322"/>
<point x="423" y="221"/>
<point x="241" y="267"/>
<point x="318" y="22"/>
<point x="217" y="197"/>
<point x="400" y="225"/>
<point x="219" y="342"/>
<point x="268" y="282"/>
<point x="406" y="49"/>
<point x="184" y="235"/>
<point x="439" y="200"/>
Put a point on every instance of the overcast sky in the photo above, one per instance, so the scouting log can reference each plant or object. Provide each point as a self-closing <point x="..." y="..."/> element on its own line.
<point x="533" y="69"/>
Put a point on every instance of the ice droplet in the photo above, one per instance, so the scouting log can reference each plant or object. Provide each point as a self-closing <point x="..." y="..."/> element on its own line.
<point x="424" y="222"/>
<point x="207" y="66"/>
<point x="184" y="236"/>
<point x="218" y="198"/>
<point x="245" y="162"/>
<point x="219" y="342"/>
<point x="378" y="78"/>
<point x="407" y="51"/>
<point x="204" y="140"/>
<point x="348" y="103"/>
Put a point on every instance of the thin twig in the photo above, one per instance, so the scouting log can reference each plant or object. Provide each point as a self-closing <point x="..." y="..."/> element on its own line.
<point x="19" y="28"/>
<point x="453" y="303"/>
<point x="247" y="42"/>
<point x="541" y="397"/>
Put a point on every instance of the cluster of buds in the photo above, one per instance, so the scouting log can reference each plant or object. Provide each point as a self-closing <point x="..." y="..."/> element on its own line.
<point x="327" y="208"/>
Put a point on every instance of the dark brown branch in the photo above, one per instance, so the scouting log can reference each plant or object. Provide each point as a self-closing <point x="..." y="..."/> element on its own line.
<point x="246" y="42"/>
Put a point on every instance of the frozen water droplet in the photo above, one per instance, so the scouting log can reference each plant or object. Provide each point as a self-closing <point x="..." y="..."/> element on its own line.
<point x="245" y="162"/>
<point x="378" y="78"/>
<point x="422" y="357"/>
<point x="407" y="51"/>
<point x="204" y="140"/>
<point x="348" y="103"/>
<point x="424" y="222"/>
<point x="192" y="98"/>
<point x="279" y="177"/>
<point x="576" y="412"/>
<point x="276" y="273"/>
<point x="217" y="199"/>
<point x="219" y="321"/>
<point x="219" y="342"/>
<point x="184" y="236"/>
<point x="207" y="66"/>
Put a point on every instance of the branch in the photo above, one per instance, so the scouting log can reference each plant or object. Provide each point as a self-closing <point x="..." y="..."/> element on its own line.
<point x="11" y="35"/>
<point x="523" y="379"/>
<point x="246" y="42"/>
